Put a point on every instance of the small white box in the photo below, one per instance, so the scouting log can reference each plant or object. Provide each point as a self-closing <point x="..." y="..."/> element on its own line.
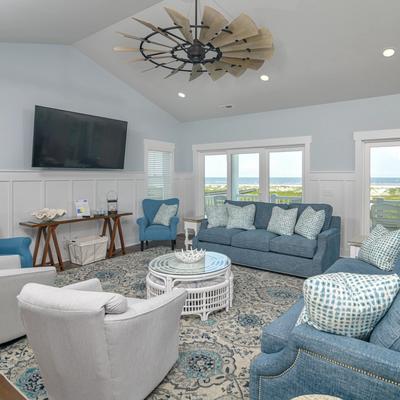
<point x="88" y="250"/>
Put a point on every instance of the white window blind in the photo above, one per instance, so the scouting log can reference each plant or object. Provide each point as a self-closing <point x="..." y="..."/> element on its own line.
<point x="159" y="174"/>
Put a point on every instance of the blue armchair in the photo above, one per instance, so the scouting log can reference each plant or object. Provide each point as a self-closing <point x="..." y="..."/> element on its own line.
<point x="148" y="231"/>
<point x="18" y="246"/>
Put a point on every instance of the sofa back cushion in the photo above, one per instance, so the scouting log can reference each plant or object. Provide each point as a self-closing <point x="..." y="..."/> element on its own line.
<point x="387" y="332"/>
<point x="263" y="211"/>
<point x="316" y="207"/>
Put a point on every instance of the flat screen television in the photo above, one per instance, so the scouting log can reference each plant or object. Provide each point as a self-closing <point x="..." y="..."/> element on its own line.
<point x="65" y="139"/>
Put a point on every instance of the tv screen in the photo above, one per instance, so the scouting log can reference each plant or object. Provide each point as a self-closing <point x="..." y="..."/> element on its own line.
<point x="65" y="139"/>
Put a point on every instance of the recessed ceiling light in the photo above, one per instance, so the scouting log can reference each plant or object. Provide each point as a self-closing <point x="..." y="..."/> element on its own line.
<point x="264" y="78"/>
<point x="388" y="52"/>
<point x="182" y="95"/>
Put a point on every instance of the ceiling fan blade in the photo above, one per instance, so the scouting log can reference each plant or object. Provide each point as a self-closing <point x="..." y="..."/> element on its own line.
<point x="252" y="64"/>
<point x="259" y="54"/>
<point x="215" y="70"/>
<point x="261" y="41"/>
<point x="126" y="35"/>
<point x="155" y="29"/>
<point x="181" y="21"/>
<point x="197" y="71"/>
<point x="120" y="49"/>
<point x="241" y="28"/>
<point x="175" y="71"/>
<point x="235" y="70"/>
<point x="158" y="66"/>
<point x="139" y="59"/>
<point x="213" y="22"/>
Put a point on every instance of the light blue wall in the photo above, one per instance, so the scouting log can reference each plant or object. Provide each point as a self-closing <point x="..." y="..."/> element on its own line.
<point x="330" y="125"/>
<point x="62" y="77"/>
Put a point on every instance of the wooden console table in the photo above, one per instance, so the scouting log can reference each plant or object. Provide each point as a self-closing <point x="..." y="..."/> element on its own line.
<point x="111" y="222"/>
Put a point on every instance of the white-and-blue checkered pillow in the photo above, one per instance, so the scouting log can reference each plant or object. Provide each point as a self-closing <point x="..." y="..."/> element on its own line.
<point x="347" y="304"/>
<point x="381" y="248"/>
<point x="310" y="223"/>
<point x="282" y="221"/>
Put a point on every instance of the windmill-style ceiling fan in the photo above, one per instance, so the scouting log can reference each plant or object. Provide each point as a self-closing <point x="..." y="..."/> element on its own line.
<point x="214" y="46"/>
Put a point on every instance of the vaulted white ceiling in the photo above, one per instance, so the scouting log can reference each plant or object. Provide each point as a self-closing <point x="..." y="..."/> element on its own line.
<point x="325" y="51"/>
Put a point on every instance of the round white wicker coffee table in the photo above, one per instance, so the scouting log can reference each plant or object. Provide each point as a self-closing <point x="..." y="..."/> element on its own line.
<point x="209" y="282"/>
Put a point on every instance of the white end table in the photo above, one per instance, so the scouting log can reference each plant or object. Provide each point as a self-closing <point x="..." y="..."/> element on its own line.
<point x="209" y="282"/>
<point x="191" y="223"/>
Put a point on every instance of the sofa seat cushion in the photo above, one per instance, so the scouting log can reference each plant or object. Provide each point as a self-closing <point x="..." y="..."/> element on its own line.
<point x="294" y="245"/>
<point x="275" y="336"/>
<point x="257" y="239"/>
<point x="218" y="235"/>
<point x="355" y="266"/>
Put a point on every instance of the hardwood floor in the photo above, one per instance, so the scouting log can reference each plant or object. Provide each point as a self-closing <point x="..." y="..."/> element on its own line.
<point x="8" y="391"/>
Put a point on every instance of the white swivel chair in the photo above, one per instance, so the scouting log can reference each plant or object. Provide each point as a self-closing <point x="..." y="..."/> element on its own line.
<point x="12" y="279"/>
<point x="93" y="345"/>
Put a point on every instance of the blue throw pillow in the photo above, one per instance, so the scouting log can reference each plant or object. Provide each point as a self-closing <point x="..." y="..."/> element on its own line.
<point x="387" y="332"/>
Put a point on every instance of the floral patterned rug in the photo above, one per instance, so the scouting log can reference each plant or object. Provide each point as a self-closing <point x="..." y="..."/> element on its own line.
<point x="214" y="355"/>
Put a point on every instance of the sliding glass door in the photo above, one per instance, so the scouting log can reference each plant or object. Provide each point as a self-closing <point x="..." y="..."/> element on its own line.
<point x="245" y="177"/>
<point x="285" y="176"/>
<point x="384" y="184"/>
<point x="266" y="174"/>
<point x="215" y="179"/>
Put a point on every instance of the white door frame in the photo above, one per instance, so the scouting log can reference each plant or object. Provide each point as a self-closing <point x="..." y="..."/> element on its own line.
<point x="364" y="140"/>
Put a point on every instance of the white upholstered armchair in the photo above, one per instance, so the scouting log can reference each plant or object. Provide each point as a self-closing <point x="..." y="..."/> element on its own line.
<point x="12" y="279"/>
<point x="95" y="345"/>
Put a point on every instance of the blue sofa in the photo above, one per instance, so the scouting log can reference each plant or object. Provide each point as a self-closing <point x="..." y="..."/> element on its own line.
<point x="301" y="360"/>
<point x="294" y="255"/>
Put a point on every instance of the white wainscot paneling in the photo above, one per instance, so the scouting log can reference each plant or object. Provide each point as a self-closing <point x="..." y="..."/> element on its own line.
<point x="22" y="192"/>
<point x="337" y="189"/>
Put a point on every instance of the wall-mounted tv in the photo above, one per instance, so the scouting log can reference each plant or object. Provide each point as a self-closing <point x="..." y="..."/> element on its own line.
<point x="65" y="139"/>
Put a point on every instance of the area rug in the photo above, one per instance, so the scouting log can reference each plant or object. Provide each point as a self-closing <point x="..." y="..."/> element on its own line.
<point x="214" y="355"/>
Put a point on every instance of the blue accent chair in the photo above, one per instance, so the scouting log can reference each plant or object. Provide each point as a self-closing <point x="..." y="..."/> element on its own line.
<point x="17" y="246"/>
<point x="149" y="231"/>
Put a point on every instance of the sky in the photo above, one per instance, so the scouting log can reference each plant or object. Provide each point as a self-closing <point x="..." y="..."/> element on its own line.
<point x="282" y="165"/>
<point x="385" y="162"/>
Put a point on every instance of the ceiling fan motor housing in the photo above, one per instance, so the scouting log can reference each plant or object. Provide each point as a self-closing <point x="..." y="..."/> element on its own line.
<point x="196" y="52"/>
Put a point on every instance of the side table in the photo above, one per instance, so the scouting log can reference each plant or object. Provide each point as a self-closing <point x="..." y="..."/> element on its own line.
<point x="355" y="245"/>
<point x="192" y="223"/>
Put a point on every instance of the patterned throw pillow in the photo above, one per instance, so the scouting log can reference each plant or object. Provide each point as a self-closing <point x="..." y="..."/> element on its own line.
<point x="381" y="248"/>
<point x="347" y="304"/>
<point x="164" y="214"/>
<point x="310" y="223"/>
<point x="241" y="217"/>
<point x="282" y="221"/>
<point x="217" y="216"/>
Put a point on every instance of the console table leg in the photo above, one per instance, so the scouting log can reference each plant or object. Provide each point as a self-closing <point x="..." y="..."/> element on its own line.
<point x="121" y="235"/>
<point x="57" y="247"/>
<point x="37" y="243"/>
<point x="112" y="242"/>
<point x="47" y="249"/>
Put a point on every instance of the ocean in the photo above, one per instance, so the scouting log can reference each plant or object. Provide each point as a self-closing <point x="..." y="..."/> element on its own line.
<point x="296" y="181"/>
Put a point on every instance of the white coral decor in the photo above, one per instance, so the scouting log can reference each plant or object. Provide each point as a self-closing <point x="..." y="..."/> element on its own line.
<point x="48" y="214"/>
<point x="190" y="256"/>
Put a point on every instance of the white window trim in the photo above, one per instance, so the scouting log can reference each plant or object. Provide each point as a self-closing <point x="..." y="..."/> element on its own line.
<point x="248" y="146"/>
<point x="158" y="145"/>
<point x="364" y="140"/>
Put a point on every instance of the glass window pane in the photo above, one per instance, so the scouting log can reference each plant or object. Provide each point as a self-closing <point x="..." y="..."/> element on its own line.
<point x="215" y="179"/>
<point x="286" y="177"/>
<point x="246" y="177"/>
<point x="385" y="186"/>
